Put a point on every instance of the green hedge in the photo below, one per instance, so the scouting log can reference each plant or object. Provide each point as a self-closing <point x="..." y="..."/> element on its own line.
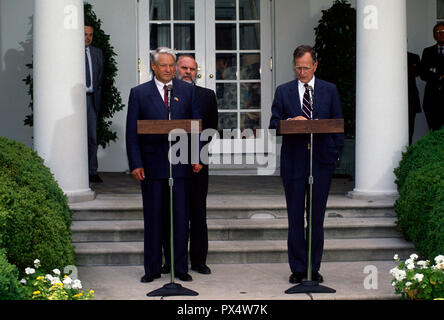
<point x="420" y="207"/>
<point x="10" y="287"/>
<point x="35" y="219"/>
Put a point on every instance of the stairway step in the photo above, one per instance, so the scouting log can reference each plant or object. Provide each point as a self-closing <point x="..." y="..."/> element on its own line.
<point x="238" y="229"/>
<point x="129" y="207"/>
<point x="271" y="251"/>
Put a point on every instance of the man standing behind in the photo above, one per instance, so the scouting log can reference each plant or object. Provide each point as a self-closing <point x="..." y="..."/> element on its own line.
<point x="432" y="71"/>
<point x="187" y="70"/>
<point x="149" y="163"/>
<point x="290" y="103"/>
<point x="94" y="78"/>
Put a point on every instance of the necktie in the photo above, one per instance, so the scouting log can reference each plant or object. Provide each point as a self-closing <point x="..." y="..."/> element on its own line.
<point x="88" y="73"/>
<point x="306" y="106"/>
<point x="165" y="96"/>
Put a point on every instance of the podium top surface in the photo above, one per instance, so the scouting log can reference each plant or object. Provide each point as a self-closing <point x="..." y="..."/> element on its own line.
<point x="311" y="126"/>
<point x="166" y="126"/>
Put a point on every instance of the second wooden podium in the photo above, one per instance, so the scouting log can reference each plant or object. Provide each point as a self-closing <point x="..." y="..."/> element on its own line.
<point x="310" y="127"/>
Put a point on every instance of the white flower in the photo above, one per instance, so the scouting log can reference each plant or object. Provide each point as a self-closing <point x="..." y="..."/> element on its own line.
<point x="56" y="271"/>
<point x="55" y="280"/>
<point x="398" y="274"/>
<point x="410" y="261"/>
<point x="37" y="263"/>
<point x="418" y="277"/>
<point x="423" y="264"/>
<point x="77" y="284"/>
<point x="23" y="281"/>
<point x="30" y="270"/>
<point x="410" y="266"/>
<point x="439" y="259"/>
<point x="396" y="257"/>
<point x="67" y="282"/>
<point x="408" y="284"/>
<point x="413" y="256"/>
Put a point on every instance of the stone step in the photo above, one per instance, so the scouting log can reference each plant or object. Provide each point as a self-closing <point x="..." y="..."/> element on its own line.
<point x="238" y="229"/>
<point x="270" y="251"/>
<point x="129" y="207"/>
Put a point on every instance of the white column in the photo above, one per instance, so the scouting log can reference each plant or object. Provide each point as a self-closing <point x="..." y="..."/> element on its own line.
<point x="381" y="95"/>
<point x="60" y="129"/>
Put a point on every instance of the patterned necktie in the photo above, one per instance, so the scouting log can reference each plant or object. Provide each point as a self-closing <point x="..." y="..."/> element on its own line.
<point x="165" y="96"/>
<point x="306" y="106"/>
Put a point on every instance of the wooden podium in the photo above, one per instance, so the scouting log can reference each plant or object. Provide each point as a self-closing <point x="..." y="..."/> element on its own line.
<point x="310" y="127"/>
<point x="193" y="126"/>
<point x="166" y="126"/>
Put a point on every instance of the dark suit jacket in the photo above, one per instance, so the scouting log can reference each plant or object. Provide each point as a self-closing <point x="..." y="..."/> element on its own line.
<point x="414" y="68"/>
<point x="326" y="105"/>
<point x="208" y="107"/>
<point x="431" y="60"/>
<point x="97" y="67"/>
<point x="151" y="151"/>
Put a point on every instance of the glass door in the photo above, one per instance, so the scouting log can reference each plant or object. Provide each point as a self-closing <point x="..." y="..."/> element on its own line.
<point x="231" y="41"/>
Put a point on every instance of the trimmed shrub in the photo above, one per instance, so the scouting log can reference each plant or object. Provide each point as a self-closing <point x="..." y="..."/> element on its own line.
<point x="10" y="287"/>
<point x="420" y="209"/>
<point x="35" y="219"/>
<point x="427" y="150"/>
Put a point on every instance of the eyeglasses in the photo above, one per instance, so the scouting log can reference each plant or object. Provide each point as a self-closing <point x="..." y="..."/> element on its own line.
<point x="306" y="69"/>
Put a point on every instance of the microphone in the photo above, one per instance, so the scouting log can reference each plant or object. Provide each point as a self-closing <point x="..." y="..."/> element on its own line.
<point x="169" y="90"/>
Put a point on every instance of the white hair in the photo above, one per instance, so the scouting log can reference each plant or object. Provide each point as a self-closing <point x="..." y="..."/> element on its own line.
<point x="162" y="50"/>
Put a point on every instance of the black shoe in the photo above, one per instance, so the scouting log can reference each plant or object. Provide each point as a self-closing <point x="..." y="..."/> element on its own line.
<point x="184" y="276"/>
<point x="201" y="268"/>
<point x="166" y="268"/>
<point x="95" y="178"/>
<point x="297" y="277"/>
<point x="149" y="278"/>
<point x="316" y="276"/>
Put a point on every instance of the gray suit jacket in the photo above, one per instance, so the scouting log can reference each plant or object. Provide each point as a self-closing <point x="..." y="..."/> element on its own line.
<point x="97" y="67"/>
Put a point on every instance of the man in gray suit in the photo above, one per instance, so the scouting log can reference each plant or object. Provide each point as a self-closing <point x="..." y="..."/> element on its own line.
<point x="94" y="78"/>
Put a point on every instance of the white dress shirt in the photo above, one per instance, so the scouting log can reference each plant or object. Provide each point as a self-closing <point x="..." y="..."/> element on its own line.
<point x="160" y="86"/>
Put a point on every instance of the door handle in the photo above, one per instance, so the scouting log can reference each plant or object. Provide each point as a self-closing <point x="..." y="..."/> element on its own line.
<point x="211" y="76"/>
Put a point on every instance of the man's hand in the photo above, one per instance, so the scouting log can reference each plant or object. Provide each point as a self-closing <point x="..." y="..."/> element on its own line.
<point x="298" y="118"/>
<point x="138" y="174"/>
<point x="197" y="167"/>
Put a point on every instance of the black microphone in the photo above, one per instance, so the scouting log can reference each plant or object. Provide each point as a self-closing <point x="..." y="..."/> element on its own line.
<point x="169" y="90"/>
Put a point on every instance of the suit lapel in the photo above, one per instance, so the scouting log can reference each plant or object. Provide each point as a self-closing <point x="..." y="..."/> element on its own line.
<point x="154" y="99"/>
<point x="297" y="99"/>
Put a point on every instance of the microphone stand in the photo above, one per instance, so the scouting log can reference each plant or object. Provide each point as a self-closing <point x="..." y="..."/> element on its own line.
<point x="310" y="286"/>
<point x="172" y="288"/>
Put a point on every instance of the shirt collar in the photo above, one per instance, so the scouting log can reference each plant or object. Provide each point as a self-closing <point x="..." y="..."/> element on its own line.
<point x="160" y="84"/>
<point x="310" y="83"/>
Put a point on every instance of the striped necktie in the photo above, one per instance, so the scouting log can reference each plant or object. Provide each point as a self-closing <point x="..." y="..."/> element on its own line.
<point x="165" y="96"/>
<point x="306" y="105"/>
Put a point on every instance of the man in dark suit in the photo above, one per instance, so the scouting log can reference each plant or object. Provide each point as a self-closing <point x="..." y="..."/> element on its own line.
<point x="94" y="78"/>
<point x="295" y="159"/>
<point x="149" y="163"/>
<point x="414" y="67"/>
<point x="432" y="71"/>
<point x="187" y="70"/>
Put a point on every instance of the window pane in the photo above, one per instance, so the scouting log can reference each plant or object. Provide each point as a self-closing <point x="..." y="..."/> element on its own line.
<point x="250" y="36"/>
<point x="184" y="36"/>
<point x="183" y="9"/>
<point x="226" y="95"/>
<point x="225" y="36"/>
<point x="250" y="95"/>
<point x="440" y="9"/>
<point x="250" y="66"/>
<point x="227" y="120"/>
<point x="250" y="120"/>
<point x="249" y="10"/>
<point x="226" y="66"/>
<point x="160" y="35"/>
<point x="160" y="10"/>
<point x="225" y="9"/>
